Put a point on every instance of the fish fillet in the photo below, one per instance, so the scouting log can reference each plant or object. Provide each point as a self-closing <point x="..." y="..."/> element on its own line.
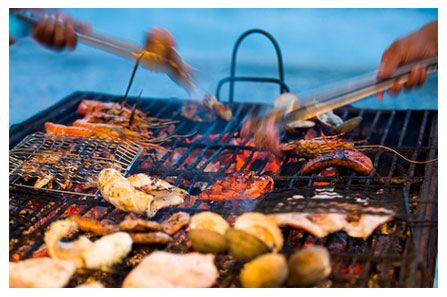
<point x="167" y="270"/>
<point x="40" y="273"/>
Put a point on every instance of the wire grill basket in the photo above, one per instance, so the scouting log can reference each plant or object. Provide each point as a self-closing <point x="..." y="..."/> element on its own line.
<point x="67" y="164"/>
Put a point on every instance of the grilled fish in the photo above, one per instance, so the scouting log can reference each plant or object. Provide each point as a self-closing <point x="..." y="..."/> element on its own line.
<point x="40" y="273"/>
<point x="167" y="270"/>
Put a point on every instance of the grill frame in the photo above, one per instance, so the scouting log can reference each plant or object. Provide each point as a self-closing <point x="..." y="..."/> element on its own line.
<point x="417" y="273"/>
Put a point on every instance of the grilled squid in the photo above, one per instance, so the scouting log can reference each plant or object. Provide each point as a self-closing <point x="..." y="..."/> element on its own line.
<point x="350" y="159"/>
<point x="71" y="251"/>
<point x="139" y="194"/>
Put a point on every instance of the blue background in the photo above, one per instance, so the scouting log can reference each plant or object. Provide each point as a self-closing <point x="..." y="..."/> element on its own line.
<point x="319" y="46"/>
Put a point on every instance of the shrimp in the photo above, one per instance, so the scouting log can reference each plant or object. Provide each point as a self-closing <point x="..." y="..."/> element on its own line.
<point x="312" y="148"/>
<point x="56" y="129"/>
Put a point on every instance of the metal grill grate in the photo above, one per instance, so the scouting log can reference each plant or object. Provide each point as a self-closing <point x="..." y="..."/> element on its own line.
<point x="67" y="165"/>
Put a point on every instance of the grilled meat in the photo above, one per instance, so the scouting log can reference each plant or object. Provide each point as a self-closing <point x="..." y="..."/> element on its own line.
<point x="139" y="225"/>
<point x="245" y="186"/>
<point x="89" y="285"/>
<point x="120" y="192"/>
<point x="151" y="238"/>
<point x="175" y="222"/>
<point x="40" y="273"/>
<point x="167" y="270"/>
<point x="350" y="159"/>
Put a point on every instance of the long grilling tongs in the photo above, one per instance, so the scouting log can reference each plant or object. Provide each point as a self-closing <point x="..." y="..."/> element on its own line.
<point x="354" y="90"/>
<point x="173" y="65"/>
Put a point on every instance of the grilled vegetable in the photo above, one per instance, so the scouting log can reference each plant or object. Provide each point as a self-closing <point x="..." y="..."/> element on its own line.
<point x="209" y="221"/>
<point x="244" y="246"/>
<point x="207" y="241"/>
<point x="261" y="226"/>
<point x="266" y="271"/>
<point x="309" y="266"/>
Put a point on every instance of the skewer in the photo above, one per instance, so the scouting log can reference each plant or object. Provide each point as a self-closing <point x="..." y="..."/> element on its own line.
<point x="132" y="76"/>
<point x="134" y="108"/>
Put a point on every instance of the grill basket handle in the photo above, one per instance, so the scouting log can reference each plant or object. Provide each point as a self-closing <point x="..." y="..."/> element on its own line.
<point x="282" y="85"/>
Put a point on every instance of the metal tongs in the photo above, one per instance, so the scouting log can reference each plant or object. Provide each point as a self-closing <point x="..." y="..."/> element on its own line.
<point x="354" y="90"/>
<point x="265" y="127"/>
<point x="166" y="59"/>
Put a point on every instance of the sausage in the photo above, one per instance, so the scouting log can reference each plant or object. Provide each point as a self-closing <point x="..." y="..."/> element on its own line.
<point x="350" y="159"/>
<point x="151" y="238"/>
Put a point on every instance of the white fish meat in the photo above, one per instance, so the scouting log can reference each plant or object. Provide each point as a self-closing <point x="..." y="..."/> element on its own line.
<point x="40" y="273"/>
<point x="108" y="250"/>
<point x="366" y="225"/>
<point x="322" y="224"/>
<point x="139" y="194"/>
<point x="167" y="270"/>
<point x="318" y="224"/>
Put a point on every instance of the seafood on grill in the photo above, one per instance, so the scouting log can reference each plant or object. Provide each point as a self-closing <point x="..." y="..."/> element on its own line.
<point x="150" y="238"/>
<point x="59" y="168"/>
<point x="322" y="224"/>
<point x="175" y="222"/>
<point x="333" y="123"/>
<point x="168" y="270"/>
<point x="140" y="193"/>
<point x="266" y="271"/>
<point x="308" y="266"/>
<point x="315" y="147"/>
<point x="139" y="225"/>
<point x="40" y="273"/>
<point x="245" y="186"/>
<point x="208" y="220"/>
<point x="107" y="251"/>
<point x="93" y="226"/>
<point x="82" y="252"/>
<point x="72" y="251"/>
<point x="207" y="232"/>
<point x="206" y="111"/>
<point x="351" y="159"/>
<point x="261" y="226"/>
<point x="244" y="246"/>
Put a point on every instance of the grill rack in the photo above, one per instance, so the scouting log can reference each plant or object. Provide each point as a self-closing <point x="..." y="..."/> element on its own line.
<point x="413" y="133"/>
<point x="69" y="161"/>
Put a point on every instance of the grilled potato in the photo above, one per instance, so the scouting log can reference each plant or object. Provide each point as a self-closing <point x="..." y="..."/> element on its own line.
<point x="244" y="246"/>
<point x="266" y="271"/>
<point x="207" y="241"/>
<point x="309" y="266"/>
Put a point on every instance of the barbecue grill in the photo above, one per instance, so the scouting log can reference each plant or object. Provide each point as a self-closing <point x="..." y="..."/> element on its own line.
<point x="401" y="253"/>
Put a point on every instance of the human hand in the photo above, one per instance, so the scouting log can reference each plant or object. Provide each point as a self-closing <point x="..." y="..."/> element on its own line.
<point x="57" y="31"/>
<point x="419" y="45"/>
